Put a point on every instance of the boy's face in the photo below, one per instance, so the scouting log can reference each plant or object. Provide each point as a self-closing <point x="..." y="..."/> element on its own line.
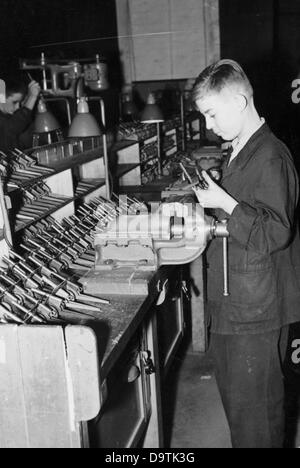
<point x="13" y="102"/>
<point x="223" y="113"/>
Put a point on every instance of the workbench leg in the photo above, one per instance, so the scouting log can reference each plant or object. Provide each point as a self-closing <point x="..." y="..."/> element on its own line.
<point x="154" y="434"/>
<point x="198" y="318"/>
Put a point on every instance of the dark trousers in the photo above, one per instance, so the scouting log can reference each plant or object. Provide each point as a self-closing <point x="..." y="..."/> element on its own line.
<point x="249" y="376"/>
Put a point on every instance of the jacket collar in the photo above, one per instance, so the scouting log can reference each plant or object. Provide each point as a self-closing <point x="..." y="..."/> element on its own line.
<point x="245" y="154"/>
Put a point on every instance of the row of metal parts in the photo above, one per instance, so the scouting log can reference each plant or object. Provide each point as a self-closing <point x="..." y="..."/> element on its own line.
<point x="17" y="168"/>
<point x="136" y="130"/>
<point x="37" y="200"/>
<point x="39" y="285"/>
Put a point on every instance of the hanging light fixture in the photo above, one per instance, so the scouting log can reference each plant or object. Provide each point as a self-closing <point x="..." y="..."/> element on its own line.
<point x="84" y="123"/>
<point x="150" y="115"/>
<point x="46" y="128"/>
<point x="152" y="112"/>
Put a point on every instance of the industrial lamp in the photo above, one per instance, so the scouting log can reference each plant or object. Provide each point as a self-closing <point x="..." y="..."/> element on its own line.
<point x="152" y="114"/>
<point x="84" y="123"/>
<point x="45" y="126"/>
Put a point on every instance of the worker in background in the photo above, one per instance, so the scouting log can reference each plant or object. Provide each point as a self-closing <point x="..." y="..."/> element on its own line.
<point x="16" y="113"/>
<point x="258" y="196"/>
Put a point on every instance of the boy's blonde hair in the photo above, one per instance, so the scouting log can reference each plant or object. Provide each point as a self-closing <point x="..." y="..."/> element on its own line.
<point x="224" y="73"/>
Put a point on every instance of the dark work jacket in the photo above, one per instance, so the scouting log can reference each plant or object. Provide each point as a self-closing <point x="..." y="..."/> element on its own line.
<point x="264" y="245"/>
<point x="13" y="129"/>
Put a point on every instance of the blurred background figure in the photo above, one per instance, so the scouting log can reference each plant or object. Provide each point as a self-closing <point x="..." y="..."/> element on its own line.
<point x="16" y="122"/>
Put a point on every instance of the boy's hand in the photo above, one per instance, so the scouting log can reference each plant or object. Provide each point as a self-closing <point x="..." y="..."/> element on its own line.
<point x="34" y="89"/>
<point x="214" y="196"/>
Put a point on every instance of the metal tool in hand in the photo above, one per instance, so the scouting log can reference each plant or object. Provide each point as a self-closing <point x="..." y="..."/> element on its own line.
<point x="220" y="232"/>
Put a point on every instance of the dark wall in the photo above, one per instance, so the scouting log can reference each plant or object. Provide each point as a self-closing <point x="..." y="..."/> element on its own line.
<point x="264" y="36"/>
<point x="287" y="47"/>
<point x="60" y="28"/>
<point x="287" y="43"/>
<point x="247" y="35"/>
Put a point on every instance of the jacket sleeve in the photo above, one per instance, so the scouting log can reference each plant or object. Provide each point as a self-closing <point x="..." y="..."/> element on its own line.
<point x="266" y="223"/>
<point x="13" y="126"/>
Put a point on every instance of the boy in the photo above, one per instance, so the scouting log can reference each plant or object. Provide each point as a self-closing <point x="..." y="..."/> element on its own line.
<point x="16" y="113"/>
<point x="259" y="195"/>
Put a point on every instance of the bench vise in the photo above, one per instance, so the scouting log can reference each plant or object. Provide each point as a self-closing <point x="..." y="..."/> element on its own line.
<point x="131" y="245"/>
<point x="174" y="234"/>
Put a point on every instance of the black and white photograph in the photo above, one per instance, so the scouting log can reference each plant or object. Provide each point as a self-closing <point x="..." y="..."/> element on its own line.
<point x="149" y="226"/>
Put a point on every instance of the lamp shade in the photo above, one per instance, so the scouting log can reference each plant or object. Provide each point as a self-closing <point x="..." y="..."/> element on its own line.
<point x="151" y="112"/>
<point x="84" y="124"/>
<point x="44" y="122"/>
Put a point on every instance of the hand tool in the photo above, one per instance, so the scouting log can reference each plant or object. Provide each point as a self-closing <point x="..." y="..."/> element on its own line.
<point x="14" y="300"/>
<point x="43" y="310"/>
<point x="7" y="314"/>
<point x="56" y="301"/>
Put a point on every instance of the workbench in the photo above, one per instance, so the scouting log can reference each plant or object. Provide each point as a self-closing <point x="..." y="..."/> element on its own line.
<point x="129" y="328"/>
<point x="54" y="379"/>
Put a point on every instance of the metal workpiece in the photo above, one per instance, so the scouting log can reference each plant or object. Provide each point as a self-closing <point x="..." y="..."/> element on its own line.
<point x="60" y="304"/>
<point x="36" y="286"/>
<point x="7" y="315"/>
<point x="54" y="301"/>
<point x="63" y="236"/>
<point x="52" y="252"/>
<point x="75" y="227"/>
<point x="17" y="167"/>
<point x="23" y="217"/>
<point x="40" y="266"/>
<point x="81" y="222"/>
<point x="15" y="268"/>
<point x="31" y="210"/>
<point x="41" y="291"/>
<point x="92" y="216"/>
<point x="43" y="203"/>
<point x="65" y="248"/>
<point x="44" y="258"/>
<point x="92" y="219"/>
<point x="109" y="214"/>
<point x="26" y="161"/>
<point x="17" y="301"/>
<point x="37" y="201"/>
<point x="81" y="262"/>
<point x="32" y="313"/>
<point x="78" y="239"/>
<point x="88" y="208"/>
<point x="40" y="249"/>
<point x="26" y="295"/>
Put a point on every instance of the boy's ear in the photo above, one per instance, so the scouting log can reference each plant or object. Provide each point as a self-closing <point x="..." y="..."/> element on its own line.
<point x="241" y="101"/>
